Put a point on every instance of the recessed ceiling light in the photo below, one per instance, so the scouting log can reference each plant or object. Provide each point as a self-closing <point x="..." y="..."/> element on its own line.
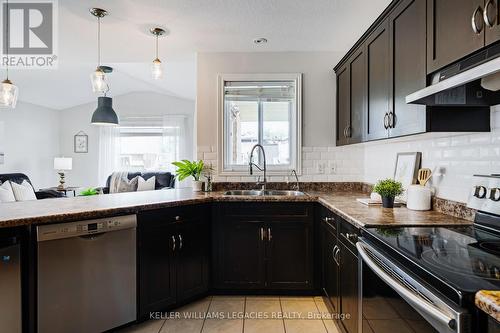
<point x="260" y="40"/>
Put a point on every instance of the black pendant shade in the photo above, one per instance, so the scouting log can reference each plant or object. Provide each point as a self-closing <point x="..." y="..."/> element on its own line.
<point x="104" y="114"/>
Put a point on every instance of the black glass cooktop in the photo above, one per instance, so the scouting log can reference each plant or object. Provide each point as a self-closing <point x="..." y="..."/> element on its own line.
<point x="465" y="258"/>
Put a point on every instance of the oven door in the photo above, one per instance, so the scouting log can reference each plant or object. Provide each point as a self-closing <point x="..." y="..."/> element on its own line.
<point x="394" y="301"/>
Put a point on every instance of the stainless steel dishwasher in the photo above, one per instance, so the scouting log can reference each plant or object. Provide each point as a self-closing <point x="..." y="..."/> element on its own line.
<point x="10" y="282"/>
<point x="87" y="275"/>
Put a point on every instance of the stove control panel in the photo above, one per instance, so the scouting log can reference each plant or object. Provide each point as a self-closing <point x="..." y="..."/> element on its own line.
<point x="485" y="194"/>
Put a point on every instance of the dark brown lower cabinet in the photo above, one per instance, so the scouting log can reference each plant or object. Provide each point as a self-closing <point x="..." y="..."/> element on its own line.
<point x="330" y="264"/>
<point x="269" y="247"/>
<point x="173" y="257"/>
<point x="349" y="289"/>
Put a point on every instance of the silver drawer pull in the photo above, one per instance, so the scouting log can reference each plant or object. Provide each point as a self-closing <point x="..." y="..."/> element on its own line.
<point x="180" y="242"/>
<point x="173" y="243"/>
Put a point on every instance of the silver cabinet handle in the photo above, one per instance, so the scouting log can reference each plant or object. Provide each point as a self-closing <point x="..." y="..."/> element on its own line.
<point x="477" y="29"/>
<point x="334" y="253"/>
<point x="173" y="243"/>
<point x="486" y="18"/>
<point x="262" y="234"/>
<point x="337" y="258"/>
<point x="180" y="242"/>
<point x="348" y="131"/>
<point x="410" y="296"/>
<point x="391" y="119"/>
<point x="386" y="120"/>
<point x="329" y="219"/>
<point x="495" y="194"/>
<point x="269" y="235"/>
<point x="177" y="218"/>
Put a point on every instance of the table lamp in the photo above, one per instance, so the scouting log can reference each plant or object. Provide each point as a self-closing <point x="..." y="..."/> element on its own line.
<point x="62" y="164"/>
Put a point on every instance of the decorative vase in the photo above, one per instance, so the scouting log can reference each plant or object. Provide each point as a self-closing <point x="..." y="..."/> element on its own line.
<point x="388" y="202"/>
<point x="197" y="185"/>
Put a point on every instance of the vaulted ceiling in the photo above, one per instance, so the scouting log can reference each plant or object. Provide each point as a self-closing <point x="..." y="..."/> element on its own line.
<point x="193" y="26"/>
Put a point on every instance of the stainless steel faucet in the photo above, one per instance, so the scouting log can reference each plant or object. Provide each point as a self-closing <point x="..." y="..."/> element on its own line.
<point x="296" y="187"/>
<point x="251" y="164"/>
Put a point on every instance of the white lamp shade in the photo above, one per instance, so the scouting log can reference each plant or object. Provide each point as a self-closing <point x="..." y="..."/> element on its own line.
<point x="8" y="95"/>
<point x="98" y="79"/>
<point x="156" y="69"/>
<point x="63" y="163"/>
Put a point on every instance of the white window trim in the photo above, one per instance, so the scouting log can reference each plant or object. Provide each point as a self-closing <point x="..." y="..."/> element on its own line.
<point x="297" y="150"/>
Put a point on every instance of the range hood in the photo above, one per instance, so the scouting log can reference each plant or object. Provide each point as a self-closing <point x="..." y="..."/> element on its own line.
<point x="474" y="81"/>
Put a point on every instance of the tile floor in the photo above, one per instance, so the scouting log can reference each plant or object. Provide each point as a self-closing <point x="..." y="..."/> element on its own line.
<point x="262" y="314"/>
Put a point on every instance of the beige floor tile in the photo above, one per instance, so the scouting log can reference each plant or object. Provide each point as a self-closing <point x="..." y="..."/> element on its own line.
<point x="297" y="298"/>
<point x="263" y="308"/>
<point x="331" y="327"/>
<point x="150" y="326"/>
<point x="322" y="307"/>
<point x="194" y="310"/>
<point x="366" y="327"/>
<point x="304" y="326"/>
<point x="227" y="306"/>
<point x="266" y="298"/>
<point x="263" y="326"/>
<point x="223" y="326"/>
<point x="182" y="326"/>
<point x="293" y="309"/>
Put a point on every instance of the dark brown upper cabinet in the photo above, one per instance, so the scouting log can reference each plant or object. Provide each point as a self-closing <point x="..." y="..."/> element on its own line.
<point x="491" y="18"/>
<point x="455" y="29"/>
<point x="378" y="82"/>
<point x="351" y="100"/>
<point x="407" y="67"/>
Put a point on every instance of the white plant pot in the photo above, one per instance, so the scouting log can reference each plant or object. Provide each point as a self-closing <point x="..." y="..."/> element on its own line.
<point x="197" y="185"/>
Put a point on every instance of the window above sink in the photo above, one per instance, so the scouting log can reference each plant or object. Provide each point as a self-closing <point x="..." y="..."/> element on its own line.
<point x="261" y="109"/>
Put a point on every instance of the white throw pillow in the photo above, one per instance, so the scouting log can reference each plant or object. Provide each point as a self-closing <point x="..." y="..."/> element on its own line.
<point x="6" y="194"/>
<point x="146" y="185"/>
<point x="23" y="192"/>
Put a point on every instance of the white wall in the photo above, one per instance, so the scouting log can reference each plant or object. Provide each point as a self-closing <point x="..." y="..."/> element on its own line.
<point x="318" y="94"/>
<point x="85" y="166"/>
<point x="30" y="143"/>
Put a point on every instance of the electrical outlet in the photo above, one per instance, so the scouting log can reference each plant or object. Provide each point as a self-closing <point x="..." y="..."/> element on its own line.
<point x="332" y="167"/>
<point x="320" y="168"/>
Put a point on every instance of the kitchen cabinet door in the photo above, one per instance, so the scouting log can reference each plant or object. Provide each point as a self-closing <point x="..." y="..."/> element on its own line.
<point x="343" y="105"/>
<point x="192" y="259"/>
<point x="240" y="254"/>
<point x="357" y="103"/>
<point x="450" y="34"/>
<point x="156" y="252"/>
<point x="492" y="21"/>
<point x="290" y="255"/>
<point x="407" y="26"/>
<point x="330" y="266"/>
<point x="349" y="289"/>
<point x="378" y="66"/>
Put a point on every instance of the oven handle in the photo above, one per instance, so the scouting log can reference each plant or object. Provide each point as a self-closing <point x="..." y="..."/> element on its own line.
<point x="412" y="298"/>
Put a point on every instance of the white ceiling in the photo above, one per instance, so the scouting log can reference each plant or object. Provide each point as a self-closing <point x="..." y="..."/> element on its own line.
<point x="193" y="26"/>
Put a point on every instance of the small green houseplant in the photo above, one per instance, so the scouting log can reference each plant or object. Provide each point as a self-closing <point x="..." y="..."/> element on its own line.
<point x="388" y="190"/>
<point x="186" y="168"/>
<point x="89" y="192"/>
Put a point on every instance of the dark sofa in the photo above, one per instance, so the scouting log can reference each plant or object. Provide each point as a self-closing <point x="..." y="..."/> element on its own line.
<point x="163" y="179"/>
<point x="18" y="178"/>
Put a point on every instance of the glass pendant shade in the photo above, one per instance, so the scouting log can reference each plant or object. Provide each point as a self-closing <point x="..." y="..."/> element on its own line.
<point x="8" y="94"/>
<point x="98" y="79"/>
<point x="156" y="69"/>
<point x="104" y="115"/>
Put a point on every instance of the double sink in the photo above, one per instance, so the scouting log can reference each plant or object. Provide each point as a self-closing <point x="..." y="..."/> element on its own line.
<point x="265" y="193"/>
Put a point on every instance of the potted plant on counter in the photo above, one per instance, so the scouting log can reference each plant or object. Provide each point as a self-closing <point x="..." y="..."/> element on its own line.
<point x="388" y="189"/>
<point x="186" y="168"/>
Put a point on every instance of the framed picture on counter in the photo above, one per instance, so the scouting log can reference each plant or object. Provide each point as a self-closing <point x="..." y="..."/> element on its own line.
<point x="406" y="171"/>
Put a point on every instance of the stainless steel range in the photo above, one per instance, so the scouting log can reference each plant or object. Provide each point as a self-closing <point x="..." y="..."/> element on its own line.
<point x="425" y="279"/>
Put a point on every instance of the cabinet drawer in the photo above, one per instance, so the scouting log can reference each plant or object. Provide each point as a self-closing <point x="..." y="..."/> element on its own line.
<point x="174" y="214"/>
<point x="267" y="211"/>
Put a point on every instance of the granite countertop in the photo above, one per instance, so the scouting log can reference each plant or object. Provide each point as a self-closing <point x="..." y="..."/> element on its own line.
<point x="81" y="208"/>
<point x="489" y="302"/>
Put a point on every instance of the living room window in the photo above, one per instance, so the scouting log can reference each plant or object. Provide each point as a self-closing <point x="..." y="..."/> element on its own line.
<point x="260" y="109"/>
<point x="151" y="144"/>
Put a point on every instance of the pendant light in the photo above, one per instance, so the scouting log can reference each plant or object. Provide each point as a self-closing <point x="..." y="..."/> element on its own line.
<point x="104" y="115"/>
<point x="156" y="67"/>
<point x="8" y="91"/>
<point x="98" y="77"/>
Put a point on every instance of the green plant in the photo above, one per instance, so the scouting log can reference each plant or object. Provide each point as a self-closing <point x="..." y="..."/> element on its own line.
<point x="89" y="191"/>
<point x="186" y="168"/>
<point x="388" y="188"/>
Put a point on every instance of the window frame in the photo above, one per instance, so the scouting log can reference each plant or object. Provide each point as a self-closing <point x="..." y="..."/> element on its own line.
<point x="295" y="133"/>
